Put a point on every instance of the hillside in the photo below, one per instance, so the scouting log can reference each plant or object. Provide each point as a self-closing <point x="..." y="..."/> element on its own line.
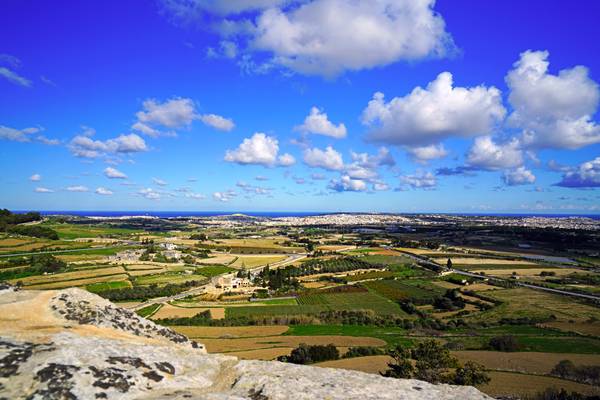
<point x="71" y="344"/>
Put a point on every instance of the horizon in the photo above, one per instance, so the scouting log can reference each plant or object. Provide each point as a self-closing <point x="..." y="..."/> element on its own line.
<point x="453" y="107"/>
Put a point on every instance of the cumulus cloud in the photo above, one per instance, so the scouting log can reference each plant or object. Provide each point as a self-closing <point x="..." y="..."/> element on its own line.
<point x="328" y="159"/>
<point x="218" y="122"/>
<point x="554" y="111"/>
<point x="78" y="188"/>
<point x="419" y="180"/>
<point x="259" y="149"/>
<point x="84" y="146"/>
<point x="327" y="37"/>
<point x="427" y="116"/>
<point x="224" y="196"/>
<point x="586" y="175"/>
<point x="163" y="119"/>
<point x="43" y="190"/>
<point x="317" y="122"/>
<point x="320" y="37"/>
<point x="518" y="176"/>
<point x="35" y="178"/>
<point x="424" y="154"/>
<point x="113" y="173"/>
<point x="488" y="155"/>
<point x="104" y="191"/>
<point x="149" y="194"/>
<point x="347" y="184"/>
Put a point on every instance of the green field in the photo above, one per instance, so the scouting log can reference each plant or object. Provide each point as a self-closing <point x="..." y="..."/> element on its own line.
<point x="148" y="310"/>
<point x="76" y="231"/>
<point x="269" y="311"/>
<point x="213" y="270"/>
<point x="103" y="286"/>
<point x="391" y="335"/>
<point x="403" y="290"/>
<point x="163" y="279"/>
<point x="352" y="301"/>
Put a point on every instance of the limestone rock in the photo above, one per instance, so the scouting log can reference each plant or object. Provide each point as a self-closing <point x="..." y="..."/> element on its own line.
<point x="71" y="344"/>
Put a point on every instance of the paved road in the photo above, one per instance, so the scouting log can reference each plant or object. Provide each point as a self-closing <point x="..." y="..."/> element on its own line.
<point x="33" y="253"/>
<point x="423" y="260"/>
<point x="201" y="289"/>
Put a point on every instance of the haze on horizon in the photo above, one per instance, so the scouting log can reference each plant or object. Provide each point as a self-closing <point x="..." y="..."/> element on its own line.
<point x="320" y="105"/>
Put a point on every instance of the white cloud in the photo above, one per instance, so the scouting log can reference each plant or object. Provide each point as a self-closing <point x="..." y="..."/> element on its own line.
<point x="424" y="154"/>
<point x="586" y="175"/>
<point x="78" y="188"/>
<point x="286" y="159"/>
<point x="104" y="191"/>
<point x="159" y="182"/>
<point x="17" y="135"/>
<point x="149" y="194"/>
<point x="420" y="180"/>
<point x="114" y="173"/>
<point x="327" y="37"/>
<point x="347" y="184"/>
<point x="84" y="146"/>
<point x="50" y="142"/>
<point x="327" y="159"/>
<point x="224" y="196"/>
<point x="259" y="149"/>
<point x="194" y="196"/>
<point x="519" y="176"/>
<point x="13" y="77"/>
<point x="218" y="122"/>
<point x="380" y="186"/>
<point x="318" y="123"/>
<point x="317" y="177"/>
<point x="261" y="178"/>
<point x="486" y="154"/>
<point x="428" y="116"/>
<point x="43" y="190"/>
<point x="554" y="111"/>
<point x="35" y="178"/>
<point x="172" y="114"/>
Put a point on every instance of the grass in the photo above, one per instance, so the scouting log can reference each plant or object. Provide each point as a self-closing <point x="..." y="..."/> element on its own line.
<point x="391" y="335"/>
<point x="255" y="261"/>
<point x="400" y="290"/>
<point x="385" y="260"/>
<point x="104" y="286"/>
<point x="148" y="310"/>
<point x="254" y="311"/>
<point x="352" y="301"/>
<point x="165" y="278"/>
<point x="213" y="270"/>
<point x="72" y="231"/>
<point x="280" y="302"/>
<point x="369" y="275"/>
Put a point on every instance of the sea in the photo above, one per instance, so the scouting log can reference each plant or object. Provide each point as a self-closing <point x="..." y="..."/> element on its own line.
<point x="277" y="214"/>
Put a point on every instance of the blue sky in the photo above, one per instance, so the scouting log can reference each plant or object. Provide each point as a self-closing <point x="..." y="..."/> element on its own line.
<point x="313" y="105"/>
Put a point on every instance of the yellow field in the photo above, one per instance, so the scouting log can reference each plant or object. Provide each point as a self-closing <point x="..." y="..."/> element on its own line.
<point x="480" y="287"/>
<point x="535" y="303"/>
<point x="79" y="282"/>
<point x="507" y="383"/>
<point x="419" y="251"/>
<point x="217" y="259"/>
<point x="527" y="362"/>
<point x="581" y="327"/>
<point x="262" y="354"/>
<point x="142" y="272"/>
<point x="481" y="261"/>
<point x="230" y="331"/>
<point x="370" y="364"/>
<point x="251" y="261"/>
<point x="23" y="248"/>
<point x="334" y="247"/>
<point x="11" y="242"/>
<point x="314" y="285"/>
<point x="243" y="344"/>
<point x="76" y="275"/>
<point x="169" y="311"/>
<point x="262" y="242"/>
<point x="529" y="272"/>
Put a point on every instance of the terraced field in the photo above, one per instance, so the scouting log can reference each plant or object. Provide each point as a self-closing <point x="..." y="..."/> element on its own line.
<point x="352" y="301"/>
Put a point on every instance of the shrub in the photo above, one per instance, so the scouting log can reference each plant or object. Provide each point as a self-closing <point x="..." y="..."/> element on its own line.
<point x="506" y="343"/>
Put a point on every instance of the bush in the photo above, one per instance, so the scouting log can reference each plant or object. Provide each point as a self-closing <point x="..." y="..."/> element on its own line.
<point x="363" y="351"/>
<point x="308" y="354"/>
<point x="506" y="343"/>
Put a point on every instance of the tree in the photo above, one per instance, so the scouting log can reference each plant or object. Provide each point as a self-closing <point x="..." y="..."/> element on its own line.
<point x="433" y="360"/>
<point x="564" y="369"/>
<point x="449" y="264"/>
<point x="470" y="374"/>
<point x="401" y="367"/>
<point x="504" y="343"/>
